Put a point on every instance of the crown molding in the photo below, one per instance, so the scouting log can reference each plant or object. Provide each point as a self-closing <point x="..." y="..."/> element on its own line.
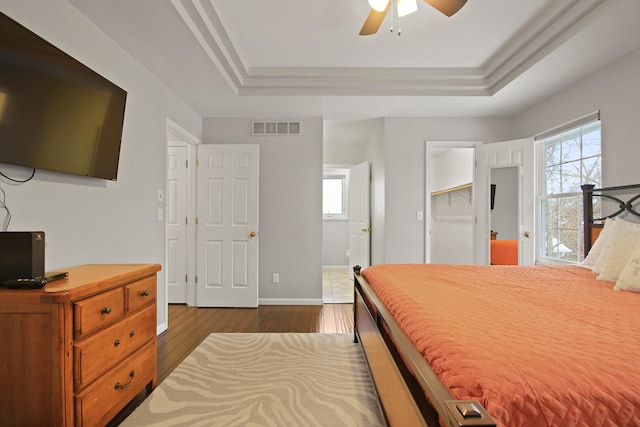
<point x="544" y="33"/>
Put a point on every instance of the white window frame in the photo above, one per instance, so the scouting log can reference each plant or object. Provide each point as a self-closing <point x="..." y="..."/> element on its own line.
<point x="338" y="173"/>
<point x="541" y="181"/>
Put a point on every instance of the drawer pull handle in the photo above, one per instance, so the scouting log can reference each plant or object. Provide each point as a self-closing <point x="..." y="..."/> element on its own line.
<point x="106" y="310"/>
<point x="131" y="334"/>
<point x="145" y="293"/>
<point x="116" y="343"/>
<point x="126" y="386"/>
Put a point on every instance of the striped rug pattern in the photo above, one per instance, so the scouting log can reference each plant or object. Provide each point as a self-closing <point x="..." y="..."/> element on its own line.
<point x="268" y="379"/>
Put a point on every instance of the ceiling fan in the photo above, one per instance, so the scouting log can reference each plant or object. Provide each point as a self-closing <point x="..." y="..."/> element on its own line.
<point x="379" y="9"/>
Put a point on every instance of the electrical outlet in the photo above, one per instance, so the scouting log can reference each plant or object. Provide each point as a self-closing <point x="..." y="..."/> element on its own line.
<point x="275" y="278"/>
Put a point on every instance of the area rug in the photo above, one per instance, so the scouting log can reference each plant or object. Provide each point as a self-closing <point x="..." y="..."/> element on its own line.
<point x="266" y="380"/>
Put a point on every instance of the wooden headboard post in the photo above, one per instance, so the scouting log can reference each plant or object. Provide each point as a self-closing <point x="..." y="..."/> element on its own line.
<point x="593" y="225"/>
<point x="587" y="215"/>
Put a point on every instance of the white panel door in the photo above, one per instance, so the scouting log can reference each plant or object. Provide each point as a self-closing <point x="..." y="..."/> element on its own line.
<point x="176" y="217"/>
<point x="227" y="225"/>
<point x="518" y="153"/>
<point x="359" y="215"/>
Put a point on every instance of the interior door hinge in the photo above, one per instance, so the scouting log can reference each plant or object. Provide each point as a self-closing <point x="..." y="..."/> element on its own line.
<point x="186" y="220"/>
<point x="186" y="278"/>
<point x="197" y="162"/>
<point x="186" y="164"/>
<point x="196" y="280"/>
<point x="197" y="222"/>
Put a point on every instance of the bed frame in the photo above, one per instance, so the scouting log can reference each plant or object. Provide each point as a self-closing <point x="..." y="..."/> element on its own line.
<point x="410" y="392"/>
<point x="593" y="226"/>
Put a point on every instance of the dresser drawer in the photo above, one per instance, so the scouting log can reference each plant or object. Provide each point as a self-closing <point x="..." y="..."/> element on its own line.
<point x="140" y="293"/>
<point x="105" y="397"/>
<point x="100" y="352"/>
<point x="92" y="313"/>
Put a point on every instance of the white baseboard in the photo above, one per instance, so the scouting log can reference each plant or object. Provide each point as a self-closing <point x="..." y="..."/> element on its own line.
<point x="161" y="328"/>
<point x="290" y="301"/>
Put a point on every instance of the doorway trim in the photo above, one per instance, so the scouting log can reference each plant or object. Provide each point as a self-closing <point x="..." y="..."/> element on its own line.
<point x="518" y="153"/>
<point x="430" y="147"/>
<point x="176" y="135"/>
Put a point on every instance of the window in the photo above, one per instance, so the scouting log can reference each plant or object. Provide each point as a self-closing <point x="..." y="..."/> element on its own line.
<point x="334" y="193"/>
<point x="570" y="157"/>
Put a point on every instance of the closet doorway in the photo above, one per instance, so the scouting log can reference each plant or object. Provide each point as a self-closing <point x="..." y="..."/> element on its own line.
<point x="449" y="203"/>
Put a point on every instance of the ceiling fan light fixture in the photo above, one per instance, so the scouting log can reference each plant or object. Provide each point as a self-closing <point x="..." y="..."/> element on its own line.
<point x="406" y="7"/>
<point x="378" y="5"/>
<point x="379" y="9"/>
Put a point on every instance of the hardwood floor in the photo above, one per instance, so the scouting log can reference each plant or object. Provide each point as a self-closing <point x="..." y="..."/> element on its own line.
<point x="189" y="326"/>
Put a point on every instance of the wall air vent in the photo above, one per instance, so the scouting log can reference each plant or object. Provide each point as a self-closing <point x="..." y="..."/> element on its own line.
<point x="276" y="128"/>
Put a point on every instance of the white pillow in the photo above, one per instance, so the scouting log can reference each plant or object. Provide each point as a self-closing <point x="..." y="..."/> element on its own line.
<point x="596" y="249"/>
<point x="606" y="249"/>
<point x="629" y="279"/>
<point x="619" y="245"/>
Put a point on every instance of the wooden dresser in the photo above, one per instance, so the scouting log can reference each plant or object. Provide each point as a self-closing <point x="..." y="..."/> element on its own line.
<point x="78" y="350"/>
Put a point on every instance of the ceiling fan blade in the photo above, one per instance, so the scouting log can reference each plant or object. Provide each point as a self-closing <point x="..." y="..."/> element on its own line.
<point x="448" y="7"/>
<point x="374" y="20"/>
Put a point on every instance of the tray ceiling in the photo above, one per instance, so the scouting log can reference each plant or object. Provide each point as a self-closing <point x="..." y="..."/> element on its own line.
<point x="303" y="57"/>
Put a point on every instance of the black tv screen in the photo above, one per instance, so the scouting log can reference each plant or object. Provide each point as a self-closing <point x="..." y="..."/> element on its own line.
<point x="56" y="113"/>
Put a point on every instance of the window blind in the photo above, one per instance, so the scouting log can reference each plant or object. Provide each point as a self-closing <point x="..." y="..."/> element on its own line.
<point x="592" y="117"/>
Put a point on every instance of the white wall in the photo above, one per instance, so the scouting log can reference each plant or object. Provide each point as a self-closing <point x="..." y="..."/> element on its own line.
<point x="615" y="91"/>
<point x="290" y="207"/>
<point x="87" y="220"/>
<point x="346" y="142"/>
<point x="452" y="231"/>
<point x="343" y="154"/>
<point x="404" y="175"/>
<point x="452" y="168"/>
<point x="335" y="242"/>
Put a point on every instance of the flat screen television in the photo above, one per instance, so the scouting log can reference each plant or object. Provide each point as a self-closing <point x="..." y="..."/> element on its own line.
<point x="56" y="113"/>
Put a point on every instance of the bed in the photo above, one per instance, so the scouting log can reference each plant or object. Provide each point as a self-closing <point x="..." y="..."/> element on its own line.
<point x="504" y="252"/>
<point x="507" y="345"/>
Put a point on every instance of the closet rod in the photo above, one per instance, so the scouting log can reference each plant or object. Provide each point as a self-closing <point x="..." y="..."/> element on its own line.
<point x="449" y="190"/>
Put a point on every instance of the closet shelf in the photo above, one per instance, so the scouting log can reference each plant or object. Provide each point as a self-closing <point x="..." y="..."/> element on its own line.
<point x="450" y="190"/>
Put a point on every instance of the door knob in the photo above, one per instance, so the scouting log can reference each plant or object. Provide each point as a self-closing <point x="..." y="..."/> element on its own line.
<point x="366" y="230"/>
<point x="527" y="234"/>
<point x="252" y="234"/>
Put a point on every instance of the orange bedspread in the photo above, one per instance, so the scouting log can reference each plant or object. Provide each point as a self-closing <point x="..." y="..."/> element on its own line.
<point x="504" y="252"/>
<point x="536" y="346"/>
